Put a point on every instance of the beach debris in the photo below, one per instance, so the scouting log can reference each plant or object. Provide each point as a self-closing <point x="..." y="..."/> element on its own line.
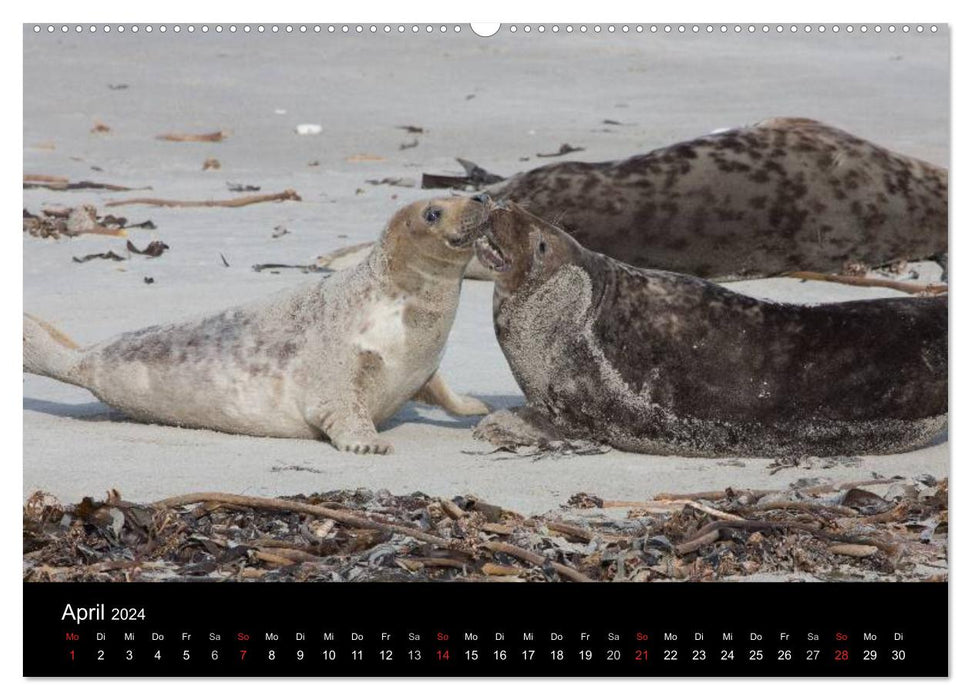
<point x="364" y="158"/>
<point x="280" y="231"/>
<point x="110" y="255"/>
<point x="286" y="195"/>
<point x="410" y="144"/>
<point x="100" y="128"/>
<point x="309" y="129"/>
<point x="412" y="129"/>
<point x="212" y="164"/>
<point x="908" y="287"/>
<point x="212" y="136"/>
<point x="564" y="150"/>
<point x="149" y="280"/>
<point x="393" y="181"/>
<point x="238" y="187"/>
<point x="475" y="177"/>
<point x="56" y="182"/>
<point x="76" y="221"/>
<point x="854" y="268"/>
<point x="118" y="86"/>
<point x="313" y="164"/>
<point x="312" y="267"/>
<point x="223" y="258"/>
<point x="152" y="250"/>
<point x="364" y="535"/>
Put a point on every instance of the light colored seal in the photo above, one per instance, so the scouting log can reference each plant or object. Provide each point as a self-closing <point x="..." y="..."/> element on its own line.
<point x="664" y="363"/>
<point x="333" y="359"/>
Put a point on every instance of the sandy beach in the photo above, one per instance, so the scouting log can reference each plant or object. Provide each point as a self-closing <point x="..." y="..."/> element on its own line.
<point x="497" y="101"/>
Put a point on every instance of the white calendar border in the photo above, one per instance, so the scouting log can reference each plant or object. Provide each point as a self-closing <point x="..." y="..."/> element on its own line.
<point x="890" y="11"/>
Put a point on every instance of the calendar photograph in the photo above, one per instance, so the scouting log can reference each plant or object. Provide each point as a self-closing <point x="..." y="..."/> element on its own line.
<point x="547" y="303"/>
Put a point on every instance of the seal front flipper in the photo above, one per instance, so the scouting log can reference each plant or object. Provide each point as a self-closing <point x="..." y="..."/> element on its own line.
<point x="516" y="427"/>
<point x="526" y="427"/>
<point x="348" y="426"/>
<point x="436" y="392"/>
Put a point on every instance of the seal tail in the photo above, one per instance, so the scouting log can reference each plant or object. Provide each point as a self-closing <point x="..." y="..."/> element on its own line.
<point x="49" y="352"/>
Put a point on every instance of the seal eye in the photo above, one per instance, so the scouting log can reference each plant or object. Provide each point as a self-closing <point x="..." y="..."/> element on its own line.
<point x="542" y="247"/>
<point x="432" y="214"/>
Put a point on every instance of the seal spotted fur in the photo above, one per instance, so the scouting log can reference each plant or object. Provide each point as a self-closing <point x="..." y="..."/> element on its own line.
<point x="664" y="363"/>
<point x="335" y="358"/>
<point x="784" y="195"/>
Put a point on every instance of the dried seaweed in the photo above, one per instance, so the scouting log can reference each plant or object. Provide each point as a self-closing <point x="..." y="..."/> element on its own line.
<point x="152" y="250"/>
<point x="239" y="187"/>
<point x="55" y="182"/>
<point x="476" y="177"/>
<point x="110" y="255"/>
<point x="564" y="150"/>
<point x="374" y="536"/>
<point x="282" y="266"/>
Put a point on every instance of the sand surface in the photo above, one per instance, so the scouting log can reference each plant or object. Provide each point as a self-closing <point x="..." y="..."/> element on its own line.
<point x="493" y="101"/>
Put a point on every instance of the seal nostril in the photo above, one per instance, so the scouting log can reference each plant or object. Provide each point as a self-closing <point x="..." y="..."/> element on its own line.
<point x="481" y="198"/>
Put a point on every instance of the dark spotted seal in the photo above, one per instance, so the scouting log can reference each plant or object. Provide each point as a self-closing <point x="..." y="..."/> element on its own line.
<point x="664" y="363"/>
<point x="781" y="196"/>
<point x="335" y="358"/>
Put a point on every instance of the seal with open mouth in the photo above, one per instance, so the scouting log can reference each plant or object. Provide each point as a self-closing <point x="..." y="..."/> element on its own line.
<point x="664" y="363"/>
<point x="332" y="359"/>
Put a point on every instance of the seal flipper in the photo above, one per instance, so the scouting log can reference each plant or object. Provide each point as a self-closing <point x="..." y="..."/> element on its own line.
<point x="436" y="392"/>
<point x="524" y="426"/>
<point x="348" y="426"/>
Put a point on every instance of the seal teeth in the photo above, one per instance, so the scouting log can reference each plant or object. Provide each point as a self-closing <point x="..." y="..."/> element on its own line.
<point x="489" y="254"/>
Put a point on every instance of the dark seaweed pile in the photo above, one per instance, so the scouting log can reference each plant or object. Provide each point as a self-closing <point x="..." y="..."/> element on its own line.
<point x="883" y="529"/>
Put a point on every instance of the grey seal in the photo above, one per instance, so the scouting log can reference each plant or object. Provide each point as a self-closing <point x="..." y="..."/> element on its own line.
<point x="664" y="363"/>
<point x="783" y="195"/>
<point x="335" y="358"/>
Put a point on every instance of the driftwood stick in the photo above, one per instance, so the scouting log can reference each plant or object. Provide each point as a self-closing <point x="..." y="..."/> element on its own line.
<point x="497" y="528"/>
<point x="446" y="562"/>
<point x="908" y="287"/>
<point x="574" y="531"/>
<point x="668" y="505"/>
<point x="46" y="178"/>
<point x="704" y="535"/>
<point x="213" y="136"/>
<point x="341" y="516"/>
<point x="707" y="495"/>
<point x="286" y="195"/>
<point x="270" y="558"/>
<point x="804" y="506"/>
<point x="452" y="510"/>
<point x="525" y="555"/>
<point x="490" y="569"/>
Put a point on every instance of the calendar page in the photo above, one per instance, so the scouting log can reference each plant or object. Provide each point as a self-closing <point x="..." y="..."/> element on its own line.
<point x="330" y="330"/>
